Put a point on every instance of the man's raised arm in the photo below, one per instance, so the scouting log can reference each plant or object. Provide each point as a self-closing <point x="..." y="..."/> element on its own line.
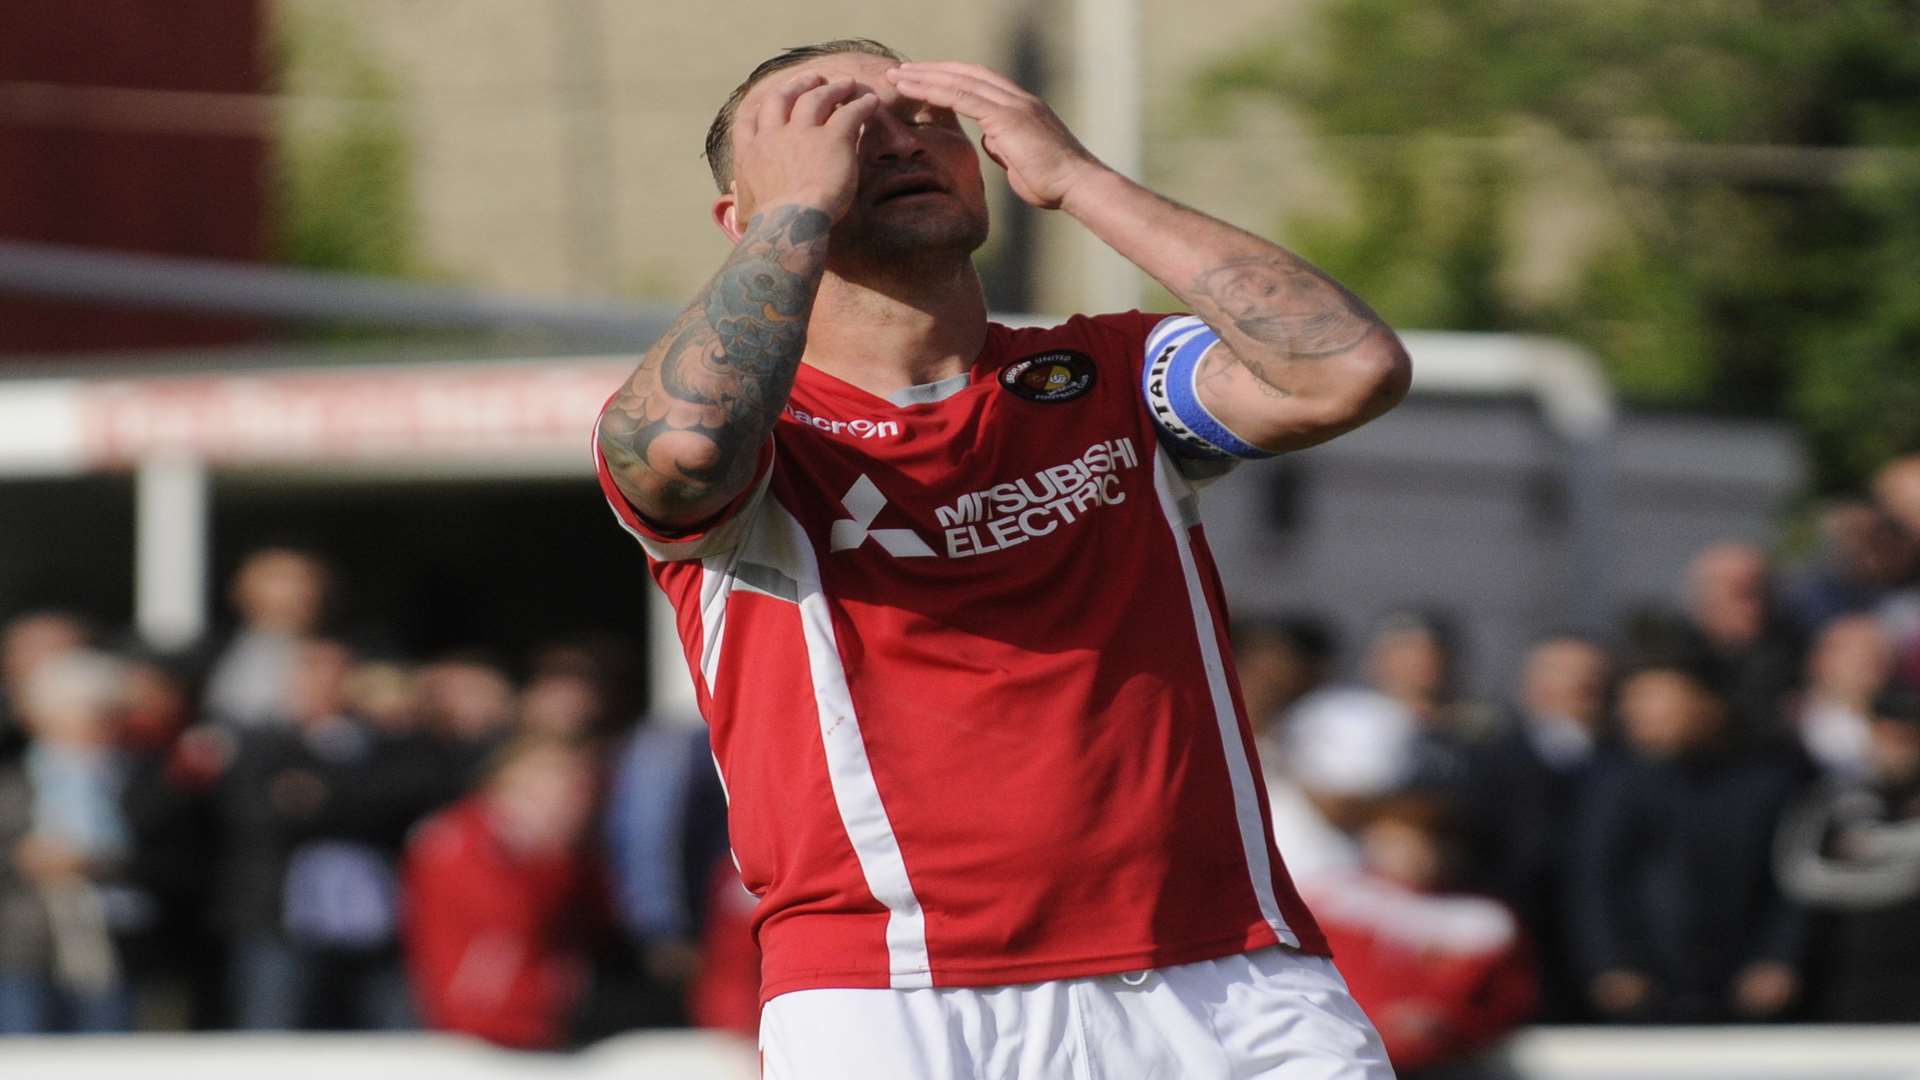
<point x="681" y="435"/>
<point x="1300" y="358"/>
<point x="680" y="438"/>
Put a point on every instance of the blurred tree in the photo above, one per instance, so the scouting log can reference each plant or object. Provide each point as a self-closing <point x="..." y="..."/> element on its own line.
<point x="1720" y="198"/>
<point x="343" y="192"/>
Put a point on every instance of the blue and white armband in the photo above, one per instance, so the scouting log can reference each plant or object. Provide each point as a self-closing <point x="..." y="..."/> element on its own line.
<point x="1174" y="349"/>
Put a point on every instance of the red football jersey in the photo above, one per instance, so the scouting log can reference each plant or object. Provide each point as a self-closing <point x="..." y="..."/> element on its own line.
<point x="966" y="669"/>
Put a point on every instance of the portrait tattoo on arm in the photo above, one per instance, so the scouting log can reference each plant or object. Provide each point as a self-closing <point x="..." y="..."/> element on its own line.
<point x="1286" y="309"/>
<point x="690" y="420"/>
<point x="1217" y="367"/>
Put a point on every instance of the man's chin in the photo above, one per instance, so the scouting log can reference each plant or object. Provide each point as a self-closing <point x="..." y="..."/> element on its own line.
<point x="913" y="238"/>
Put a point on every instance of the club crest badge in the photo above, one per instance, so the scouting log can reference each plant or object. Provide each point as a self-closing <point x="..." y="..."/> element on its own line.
<point x="1050" y="377"/>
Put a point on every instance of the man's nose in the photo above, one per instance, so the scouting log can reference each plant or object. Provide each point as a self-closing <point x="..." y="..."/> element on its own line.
<point x="887" y="140"/>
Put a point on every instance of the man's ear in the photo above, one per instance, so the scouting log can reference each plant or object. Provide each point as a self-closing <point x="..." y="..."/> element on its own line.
<point x="726" y="214"/>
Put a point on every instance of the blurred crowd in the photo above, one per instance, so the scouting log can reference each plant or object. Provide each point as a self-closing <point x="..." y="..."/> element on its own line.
<point x="290" y="832"/>
<point x="1711" y="815"/>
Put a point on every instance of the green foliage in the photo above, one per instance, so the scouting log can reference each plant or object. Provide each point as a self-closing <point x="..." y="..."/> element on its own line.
<point x="1860" y="393"/>
<point x="1748" y="172"/>
<point x="1425" y="199"/>
<point x="343" y="183"/>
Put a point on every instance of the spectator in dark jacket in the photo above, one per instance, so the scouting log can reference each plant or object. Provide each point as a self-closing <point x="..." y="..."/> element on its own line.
<point x="1752" y="650"/>
<point x="666" y="827"/>
<point x="313" y="815"/>
<point x="565" y="695"/>
<point x="1672" y="906"/>
<point x="280" y="594"/>
<point x="1527" y="779"/>
<point x="177" y="961"/>
<point x="1280" y="660"/>
<point x="466" y="704"/>
<point x="1414" y="659"/>
<point x="1851" y="850"/>
<point x="1864" y="556"/>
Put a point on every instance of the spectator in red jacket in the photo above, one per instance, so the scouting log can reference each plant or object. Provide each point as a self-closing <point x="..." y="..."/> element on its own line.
<point x="1442" y="974"/>
<point x="497" y="890"/>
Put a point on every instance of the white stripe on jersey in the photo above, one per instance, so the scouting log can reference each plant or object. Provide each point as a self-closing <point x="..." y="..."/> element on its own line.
<point x="716" y="583"/>
<point x="854" y="792"/>
<point x="1171" y="488"/>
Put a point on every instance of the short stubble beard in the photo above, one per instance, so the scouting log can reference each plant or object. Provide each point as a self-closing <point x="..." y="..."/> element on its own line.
<point x="931" y="239"/>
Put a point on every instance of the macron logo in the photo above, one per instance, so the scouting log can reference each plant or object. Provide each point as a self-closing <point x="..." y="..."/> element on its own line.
<point x="859" y="429"/>
<point x="865" y="502"/>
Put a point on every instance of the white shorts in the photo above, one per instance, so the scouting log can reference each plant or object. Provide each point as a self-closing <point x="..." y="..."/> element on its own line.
<point x="1275" y="1014"/>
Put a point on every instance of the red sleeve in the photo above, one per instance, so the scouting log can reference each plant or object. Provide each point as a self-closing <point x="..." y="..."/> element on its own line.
<point x="707" y="538"/>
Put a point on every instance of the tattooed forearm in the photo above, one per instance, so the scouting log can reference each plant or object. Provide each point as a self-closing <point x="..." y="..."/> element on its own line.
<point x="1216" y="370"/>
<point x="1287" y="311"/>
<point x="1300" y="359"/>
<point x="681" y="435"/>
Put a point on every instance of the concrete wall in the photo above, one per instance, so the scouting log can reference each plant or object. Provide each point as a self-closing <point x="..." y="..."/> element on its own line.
<point x="556" y="142"/>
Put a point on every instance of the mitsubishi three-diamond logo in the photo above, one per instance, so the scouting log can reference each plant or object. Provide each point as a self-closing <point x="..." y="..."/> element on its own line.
<point x="865" y="502"/>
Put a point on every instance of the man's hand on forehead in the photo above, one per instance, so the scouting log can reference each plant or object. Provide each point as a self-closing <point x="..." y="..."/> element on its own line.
<point x="1018" y="131"/>
<point x="797" y="145"/>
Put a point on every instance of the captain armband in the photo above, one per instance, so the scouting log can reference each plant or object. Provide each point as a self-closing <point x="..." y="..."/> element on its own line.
<point x="1174" y="349"/>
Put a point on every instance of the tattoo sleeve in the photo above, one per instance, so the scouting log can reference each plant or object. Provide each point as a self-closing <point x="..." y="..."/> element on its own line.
<point x="1286" y="311"/>
<point x="682" y="434"/>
